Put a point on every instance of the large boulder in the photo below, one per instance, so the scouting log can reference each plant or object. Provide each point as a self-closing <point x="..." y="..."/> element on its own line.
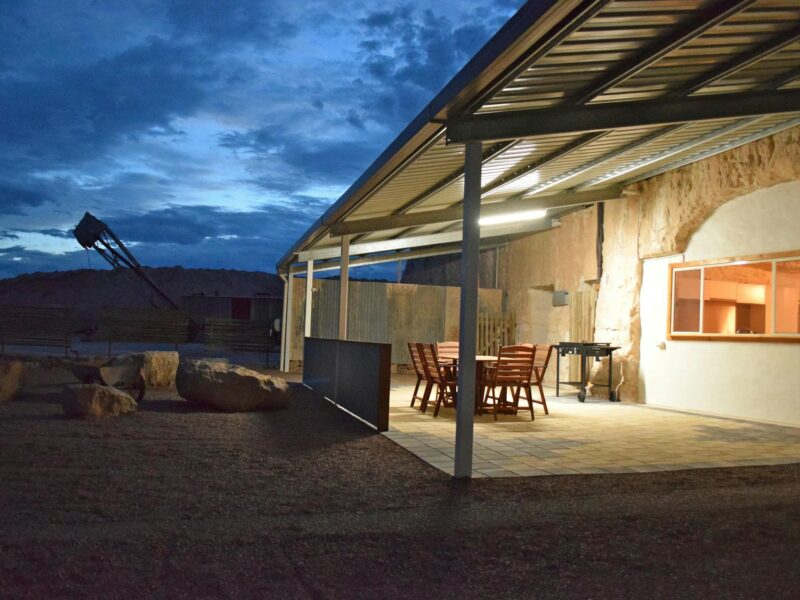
<point x="158" y="369"/>
<point x="230" y="388"/>
<point x="92" y="400"/>
<point x="10" y="379"/>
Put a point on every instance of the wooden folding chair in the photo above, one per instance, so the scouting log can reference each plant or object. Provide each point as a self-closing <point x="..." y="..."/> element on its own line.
<point x="444" y="376"/>
<point x="419" y="369"/>
<point x="540" y="362"/>
<point x="448" y="348"/>
<point x="512" y="371"/>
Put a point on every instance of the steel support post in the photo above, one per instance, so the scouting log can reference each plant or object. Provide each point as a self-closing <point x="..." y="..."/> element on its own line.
<point x="287" y="324"/>
<point x="344" y="284"/>
<point x="309" y="297"/>
<point x="468" y="318"/>
<point x="282" y="361"/>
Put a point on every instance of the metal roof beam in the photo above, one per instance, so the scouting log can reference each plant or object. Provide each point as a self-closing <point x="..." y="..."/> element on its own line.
<point x="426" y="240"/>
<point x="739" y="62"/>
<point x="449" y="215"/>
<point x="619" y="115"/>
<point x="395" y="256"/>
<point x="665" y="154"/>
<point x="490" y="153"/>
<point x="735" y="64"/>
<point x="706" y="19"/>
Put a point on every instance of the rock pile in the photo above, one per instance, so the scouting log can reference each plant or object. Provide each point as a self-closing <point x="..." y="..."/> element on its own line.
<point x="230" y="388"/>
<point x="92" y="400"/>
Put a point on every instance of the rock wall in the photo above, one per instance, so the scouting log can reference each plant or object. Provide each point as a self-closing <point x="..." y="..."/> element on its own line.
<point x="659" y="221"/>
<point x="617" y="315"/>
<point x="676" y="203"/>
<point x="531" y="268"/>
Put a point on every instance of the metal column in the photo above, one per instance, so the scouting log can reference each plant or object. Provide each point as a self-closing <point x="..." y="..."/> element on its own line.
<point x="309" y="297"/>
<point x="286" y="348"/>
<point x="344" y="284"/>
<point x="468" y="319"/>
<point x="283" y="322"/>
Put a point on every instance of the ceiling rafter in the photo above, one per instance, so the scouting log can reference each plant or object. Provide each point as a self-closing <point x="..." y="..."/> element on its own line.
<point x="712" y="17"/>
<point x="705" y="20"/>
<point x="737" y="63"/>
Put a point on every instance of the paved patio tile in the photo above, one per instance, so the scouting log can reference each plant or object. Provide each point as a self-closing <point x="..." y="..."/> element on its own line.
<point x="593" y="437"/>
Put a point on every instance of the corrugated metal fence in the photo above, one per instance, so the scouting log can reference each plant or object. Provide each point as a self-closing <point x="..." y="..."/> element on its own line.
<point x="397" y="313"/>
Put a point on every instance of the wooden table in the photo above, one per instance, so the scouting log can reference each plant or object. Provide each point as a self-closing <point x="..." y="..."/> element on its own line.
<point x="480" y="360"/>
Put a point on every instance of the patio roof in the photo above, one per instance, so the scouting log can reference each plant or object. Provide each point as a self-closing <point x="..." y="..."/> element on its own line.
<point x="573" y="100"/>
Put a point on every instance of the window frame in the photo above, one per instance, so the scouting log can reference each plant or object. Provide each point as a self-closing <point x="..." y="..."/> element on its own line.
<point x="770" y="336"/>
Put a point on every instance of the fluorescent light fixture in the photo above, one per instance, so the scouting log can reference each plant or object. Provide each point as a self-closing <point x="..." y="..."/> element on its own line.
<point x="514" y="217"/>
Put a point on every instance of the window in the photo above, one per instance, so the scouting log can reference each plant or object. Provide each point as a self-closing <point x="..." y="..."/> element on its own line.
<point x="742" y="299"/>
<point x="787" y="297"/>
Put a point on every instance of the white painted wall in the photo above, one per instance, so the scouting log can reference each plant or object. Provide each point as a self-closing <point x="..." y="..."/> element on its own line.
<point x="751" y="380"/>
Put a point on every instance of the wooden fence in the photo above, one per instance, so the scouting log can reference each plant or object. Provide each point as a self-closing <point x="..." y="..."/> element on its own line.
<point x="582" y="307"/>
<point x="142" y="325"/>
<point x="495" y="329"/>
<point x="235" y="334"/>
<point x="35" y="326"/>
<point x="395" y="313"/>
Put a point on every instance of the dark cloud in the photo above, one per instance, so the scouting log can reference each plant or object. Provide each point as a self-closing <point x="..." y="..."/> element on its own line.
<point x="230" y="22"/>
<point x="410" y="55"/>
<point x="172" y="120"/>
<point x="76" y="115"/>
<point x="288" y="162"/>
<point x="15" y="198"/>
<point x="192" y="236"/>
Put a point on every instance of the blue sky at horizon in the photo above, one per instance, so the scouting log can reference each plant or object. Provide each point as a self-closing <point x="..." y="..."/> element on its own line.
<point x="207" y="134"/>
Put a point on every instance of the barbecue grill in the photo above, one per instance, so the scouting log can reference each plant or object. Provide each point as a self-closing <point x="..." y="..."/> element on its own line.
<point x="587" y="351"/>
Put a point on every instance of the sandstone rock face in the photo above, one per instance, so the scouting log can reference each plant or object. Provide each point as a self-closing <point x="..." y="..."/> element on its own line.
<point x="92" y="400"/>
<point x="670" y="208"/>
<point x="617" y="316"/>
<point x="676" y="203"/>
<point x="10" y="379"/>
<point x="230" y="388"/>
<point x="160" y="368"/>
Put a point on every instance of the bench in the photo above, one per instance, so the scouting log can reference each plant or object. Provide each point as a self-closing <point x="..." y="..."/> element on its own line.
<point x="36" y="326"/>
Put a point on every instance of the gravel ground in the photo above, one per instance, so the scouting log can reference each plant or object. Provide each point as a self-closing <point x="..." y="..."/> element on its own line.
<point x="306" y="503"/>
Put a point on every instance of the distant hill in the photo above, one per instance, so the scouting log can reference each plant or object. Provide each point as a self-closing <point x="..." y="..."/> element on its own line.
<point x="89" y="290"/>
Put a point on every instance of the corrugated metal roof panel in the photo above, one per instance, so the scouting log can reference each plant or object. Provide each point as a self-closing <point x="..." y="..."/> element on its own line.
<point x="612" y="50"/>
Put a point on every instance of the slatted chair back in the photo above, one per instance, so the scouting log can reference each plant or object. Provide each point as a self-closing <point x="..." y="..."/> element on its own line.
<point x="542" y="359"/>
<point x="430" y="362"/>
<point x="416" y="360"/>
<point x="447" y="348"/>
<point x="444" y="376"/>
<point x="514" y="365"/>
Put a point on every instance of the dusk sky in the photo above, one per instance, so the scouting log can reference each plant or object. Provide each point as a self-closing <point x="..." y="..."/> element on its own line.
<point x="207" y="133"/>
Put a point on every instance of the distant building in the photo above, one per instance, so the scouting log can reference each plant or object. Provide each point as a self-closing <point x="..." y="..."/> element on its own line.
<point x="264" y="308"/>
